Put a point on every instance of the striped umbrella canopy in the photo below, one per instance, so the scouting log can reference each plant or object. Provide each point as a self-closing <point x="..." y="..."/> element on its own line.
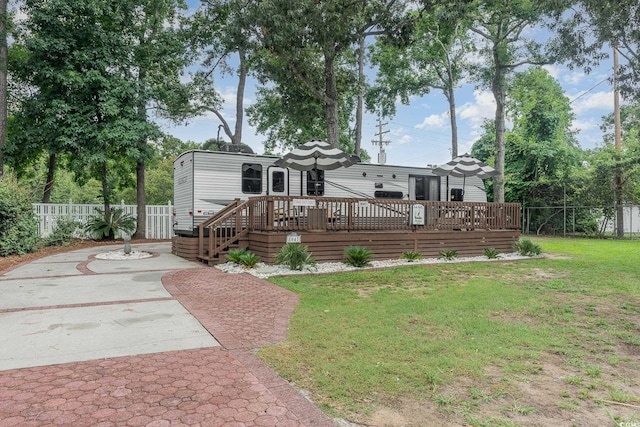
<point x="465" y="165"/>
<point x="316" y="154"/>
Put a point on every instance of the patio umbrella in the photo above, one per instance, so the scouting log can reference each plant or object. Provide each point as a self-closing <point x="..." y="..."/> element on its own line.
<point x="316" y="155"/>
<point x="464" y="166"/>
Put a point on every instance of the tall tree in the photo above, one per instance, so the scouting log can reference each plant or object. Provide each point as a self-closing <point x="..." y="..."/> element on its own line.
<point x="159" y="56"/>
<point x="85" y="105"/>
<point x="220" y="37"/>
<point x="308" y="43"/>
<point x="626" y="159"/>
<point x="434" y="59"/>
<point x="288" y="115"/>
<point x="587" y="32"/>
<point x="541" y="150"/>
<point x="499" y="26"/>
<point x="98" y="69"/>
<point x="3" y="80"/>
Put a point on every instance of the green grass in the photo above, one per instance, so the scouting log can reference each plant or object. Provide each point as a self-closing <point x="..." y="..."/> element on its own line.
<point x="415" y="330"/>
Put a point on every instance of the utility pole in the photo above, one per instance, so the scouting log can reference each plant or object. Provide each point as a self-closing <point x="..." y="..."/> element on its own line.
<point x="382" y="156"/>
<point x="618" y="142"/>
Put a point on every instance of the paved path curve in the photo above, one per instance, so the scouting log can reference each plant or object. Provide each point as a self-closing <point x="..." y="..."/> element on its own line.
<point x="104" y="316"/>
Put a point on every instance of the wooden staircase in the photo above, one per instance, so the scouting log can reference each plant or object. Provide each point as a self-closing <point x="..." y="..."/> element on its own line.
<point x="222" y="231"/>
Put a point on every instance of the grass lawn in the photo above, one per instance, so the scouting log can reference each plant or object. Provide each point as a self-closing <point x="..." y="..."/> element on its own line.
<point x="549" y="341"/>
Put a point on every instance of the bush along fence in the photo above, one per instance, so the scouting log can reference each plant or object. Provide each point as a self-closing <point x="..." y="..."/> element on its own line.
<point x="159" y="218"/>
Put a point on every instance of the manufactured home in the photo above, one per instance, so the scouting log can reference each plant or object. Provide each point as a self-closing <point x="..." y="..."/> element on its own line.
<point x="207" y="181"/>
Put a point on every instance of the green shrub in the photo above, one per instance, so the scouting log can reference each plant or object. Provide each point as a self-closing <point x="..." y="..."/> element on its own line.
<point x="249" y="259"/>
<point x="295" y="256"/>
<point x="448" y="254"/>
<point x="491" y="253"/>
<point x="526" y="247"/>
<point x="18" y="224"/>
<point x="411" y="256"/>
<point x="588" y="226"/>
<point x="103" y="226"/>
<point x="357" y="256"/>
<point x="64" y="232"/>
<point x="235" y="255"/>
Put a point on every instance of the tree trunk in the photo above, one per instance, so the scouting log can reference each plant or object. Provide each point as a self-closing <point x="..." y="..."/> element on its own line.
<point x="359" y="106"/>
<point x="51" y="171"/>
<point x="499" y="94"/>
<point x="618" y="141"/>
<point x="3" y="80"/>
<point x="619" y="206"/>
<point x="331" y="102"/>
<point x="106" y="196"/>
<point x="236" y="138"/>
<point x="452" y="119"/>
<point x="141" y="202"/>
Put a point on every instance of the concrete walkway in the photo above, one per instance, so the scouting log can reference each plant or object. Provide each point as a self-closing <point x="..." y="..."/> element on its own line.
<point x="158" y="341"/>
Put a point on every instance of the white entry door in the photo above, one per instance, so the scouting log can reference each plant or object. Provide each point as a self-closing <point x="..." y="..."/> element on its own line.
<point x="278" y="182"/>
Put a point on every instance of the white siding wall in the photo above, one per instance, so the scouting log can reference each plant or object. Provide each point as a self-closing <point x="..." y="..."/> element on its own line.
<point x="206" y="181"/>
<point x="183" y="191"/>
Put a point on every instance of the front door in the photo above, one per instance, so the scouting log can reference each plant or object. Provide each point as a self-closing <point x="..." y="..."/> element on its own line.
<point x="278" y="182"/>
<point x="423" y="187"/>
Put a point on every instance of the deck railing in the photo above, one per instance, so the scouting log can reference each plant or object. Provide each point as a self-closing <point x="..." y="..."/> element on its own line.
<point x="280" y="213"/>
<point x="286" y="214"/>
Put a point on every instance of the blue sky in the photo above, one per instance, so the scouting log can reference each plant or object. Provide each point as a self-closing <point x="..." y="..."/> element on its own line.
<point x="419" y="134"/>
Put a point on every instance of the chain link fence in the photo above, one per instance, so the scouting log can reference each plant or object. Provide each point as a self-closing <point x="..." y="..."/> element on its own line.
<point x="579" y="220"/>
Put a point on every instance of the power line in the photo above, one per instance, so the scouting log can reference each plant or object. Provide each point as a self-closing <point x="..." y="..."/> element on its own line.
<point x="592" y="88"/>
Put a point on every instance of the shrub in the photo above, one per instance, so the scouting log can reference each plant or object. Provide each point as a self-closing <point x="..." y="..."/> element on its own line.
<point x="491" y="253"/>
<point x="295" y="256"/>
<point x="103" y="226"/>
<point x="411" y="256"/>
<point x="18" y="224"/>
<point x="526" y="247"/>
<point x="249" y="259"/>
<point x="357" y="256"/>
<point x="64" y="232"/>
<point x="448" y="254"/>
<point x="235" y="255"/>
<point x="588" y="226"/>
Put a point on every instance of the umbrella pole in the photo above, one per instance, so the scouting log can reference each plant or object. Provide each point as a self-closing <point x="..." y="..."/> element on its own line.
<point x="447" y="194"/>
<point x="315" y="184"/>
<point x="464" y="183"/>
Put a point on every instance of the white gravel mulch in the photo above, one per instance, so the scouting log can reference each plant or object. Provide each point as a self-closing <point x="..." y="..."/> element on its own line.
<point x="264" y="271"/>
<point x="119" y="255"/>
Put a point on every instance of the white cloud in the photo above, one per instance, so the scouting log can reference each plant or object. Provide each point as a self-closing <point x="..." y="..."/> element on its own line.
<point x="573" y="78"/>
<point x="553" y="70"/>
<point x="483" y="107"/>
<point x="404" y="139"/>
<point x="397" y="131"/>
<point x="229" y="94"/>
<point x="592" y="101"/>
<point x="584" y="125"/>
<point x="434" y="121"/>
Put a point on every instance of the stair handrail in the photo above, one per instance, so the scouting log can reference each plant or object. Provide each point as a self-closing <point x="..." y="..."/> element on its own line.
<point x="215" y="222"/>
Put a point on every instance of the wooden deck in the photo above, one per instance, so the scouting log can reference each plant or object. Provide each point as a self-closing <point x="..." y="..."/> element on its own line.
<point x="327" y="226"/>
<point x="329" y="246"/>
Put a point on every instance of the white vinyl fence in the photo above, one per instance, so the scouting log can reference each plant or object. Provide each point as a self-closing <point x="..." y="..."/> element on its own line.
<point x="159" y="218"/>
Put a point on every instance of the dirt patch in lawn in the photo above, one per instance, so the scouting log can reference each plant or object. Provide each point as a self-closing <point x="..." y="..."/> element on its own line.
<point x="556" y="394"/>
<point x="595" y="383"/>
